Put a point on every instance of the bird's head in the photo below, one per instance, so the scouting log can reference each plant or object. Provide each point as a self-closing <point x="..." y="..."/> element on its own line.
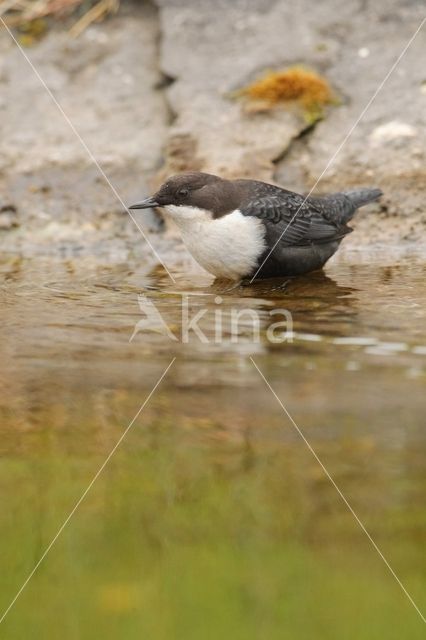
<point x="186" y="194"/>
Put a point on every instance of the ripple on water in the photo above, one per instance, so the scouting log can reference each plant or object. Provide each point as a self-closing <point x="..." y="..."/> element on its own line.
<point x="212" y="479"/>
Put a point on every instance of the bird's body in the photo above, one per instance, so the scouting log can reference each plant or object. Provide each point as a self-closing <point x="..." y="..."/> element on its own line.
<point x="238" y="229"/>
<point x="228" y="247"/>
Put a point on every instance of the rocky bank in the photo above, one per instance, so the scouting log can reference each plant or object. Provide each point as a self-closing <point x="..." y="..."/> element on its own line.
<point x="151" y="92"/>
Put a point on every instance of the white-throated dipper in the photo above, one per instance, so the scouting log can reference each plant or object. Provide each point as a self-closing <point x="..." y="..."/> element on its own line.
<point x="238" y="229"/>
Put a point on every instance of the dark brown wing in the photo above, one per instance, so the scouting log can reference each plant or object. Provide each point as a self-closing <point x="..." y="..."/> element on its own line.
<point x="286" y="214"/>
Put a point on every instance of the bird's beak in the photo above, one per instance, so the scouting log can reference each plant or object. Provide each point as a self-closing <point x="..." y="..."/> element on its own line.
<point x="145" y="204"/>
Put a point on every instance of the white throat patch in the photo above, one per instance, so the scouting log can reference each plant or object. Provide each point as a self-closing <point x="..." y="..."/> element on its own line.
<point x="228" y="247"/>
<point x="182" y="214"/>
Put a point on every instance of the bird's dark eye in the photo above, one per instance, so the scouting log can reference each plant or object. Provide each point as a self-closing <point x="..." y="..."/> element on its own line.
<point x="183" y="193"/>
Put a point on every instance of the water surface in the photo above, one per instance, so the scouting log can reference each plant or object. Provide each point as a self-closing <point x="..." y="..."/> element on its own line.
<point x="212" y="519"/>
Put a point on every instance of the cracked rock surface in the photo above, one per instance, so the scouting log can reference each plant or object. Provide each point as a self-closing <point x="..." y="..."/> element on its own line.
<point x="212" y="48"/>
<point x="105" y="82"/>
<point x="150" y="92"/>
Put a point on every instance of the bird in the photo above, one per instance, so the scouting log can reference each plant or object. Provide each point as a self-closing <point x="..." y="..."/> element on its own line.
<point x="247" y="229"/>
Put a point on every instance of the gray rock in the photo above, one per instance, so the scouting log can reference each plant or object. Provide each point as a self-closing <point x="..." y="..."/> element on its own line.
<point x="212" y="48"/>
<point x="105" y="82"/>
<point x="150" y="91"/>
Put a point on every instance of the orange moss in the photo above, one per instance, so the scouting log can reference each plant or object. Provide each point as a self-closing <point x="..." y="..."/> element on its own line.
<point x="295" y="84"/>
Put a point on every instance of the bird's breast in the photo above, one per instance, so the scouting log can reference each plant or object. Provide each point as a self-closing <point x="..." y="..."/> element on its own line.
<point x="228" y="247"/>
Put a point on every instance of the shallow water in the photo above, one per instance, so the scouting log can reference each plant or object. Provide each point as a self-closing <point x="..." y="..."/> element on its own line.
<point x="212" y="518"/>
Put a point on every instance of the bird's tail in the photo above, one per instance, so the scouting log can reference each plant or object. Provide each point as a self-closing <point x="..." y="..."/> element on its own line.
<point x="360" y="197"/>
